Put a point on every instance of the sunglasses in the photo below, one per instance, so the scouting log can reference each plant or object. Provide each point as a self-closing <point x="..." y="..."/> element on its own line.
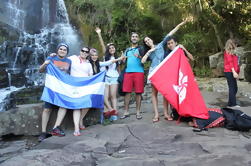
<point x="85" y="51"/>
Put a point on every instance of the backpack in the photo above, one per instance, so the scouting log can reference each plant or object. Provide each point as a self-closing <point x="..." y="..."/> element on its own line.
<point x="236" y="120"/>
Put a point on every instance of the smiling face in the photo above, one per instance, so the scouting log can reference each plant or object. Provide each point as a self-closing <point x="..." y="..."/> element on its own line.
<point x="62" y="51"/>
<point x="148" y="41"/>
<point x="94" y="57"/>
<point x="134" y="38"/>
<point x="84" y="53"/>
<point x="171" y="44"/>
<point x="111" y="49"/>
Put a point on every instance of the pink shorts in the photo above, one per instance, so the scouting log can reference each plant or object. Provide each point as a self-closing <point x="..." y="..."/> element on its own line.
<point x="133" y="81"/>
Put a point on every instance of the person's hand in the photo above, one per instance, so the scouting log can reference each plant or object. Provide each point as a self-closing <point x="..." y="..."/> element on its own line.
<point x="181" y="46"/>
<point x="151" y="50"/>
<point x="188" y="19"/>
<point x="98" y="30"/>
<point x="46" y="62"/>
<point x="52" y="54"/>
<point x="235" y="75"/>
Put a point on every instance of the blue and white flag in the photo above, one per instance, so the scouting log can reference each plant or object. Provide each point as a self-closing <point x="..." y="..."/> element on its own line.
<point x="71" y="92"/>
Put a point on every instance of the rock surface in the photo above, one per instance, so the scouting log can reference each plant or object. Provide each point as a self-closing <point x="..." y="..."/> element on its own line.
<point x="132" y="142"/>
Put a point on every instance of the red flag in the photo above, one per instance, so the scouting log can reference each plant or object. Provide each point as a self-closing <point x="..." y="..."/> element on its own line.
<point x="174" y="79"/>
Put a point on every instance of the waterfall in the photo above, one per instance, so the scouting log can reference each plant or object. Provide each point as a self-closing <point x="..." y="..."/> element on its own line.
<point x="42" y="24"/>
<point x="17" y="53"/>
<point x="15" y="15"/>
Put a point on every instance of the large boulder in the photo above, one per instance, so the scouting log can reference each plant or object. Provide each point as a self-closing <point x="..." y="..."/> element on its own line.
<point x="26" y="120"/>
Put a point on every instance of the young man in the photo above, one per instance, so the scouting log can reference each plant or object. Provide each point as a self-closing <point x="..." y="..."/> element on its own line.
<point x="63" y="64"/>
<point x="134" y="76"/>
<point x="172" y="43"/>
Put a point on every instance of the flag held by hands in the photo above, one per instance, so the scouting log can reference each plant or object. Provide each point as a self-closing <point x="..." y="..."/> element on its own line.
<point x="174" y="79"/>
<point x="71" y="92"/>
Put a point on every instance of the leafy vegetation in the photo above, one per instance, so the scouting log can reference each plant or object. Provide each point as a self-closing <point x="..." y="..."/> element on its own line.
<point x="214" y="21"/>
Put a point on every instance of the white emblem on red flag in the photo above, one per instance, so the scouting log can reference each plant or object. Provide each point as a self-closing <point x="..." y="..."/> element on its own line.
<point x="180" y="89"/>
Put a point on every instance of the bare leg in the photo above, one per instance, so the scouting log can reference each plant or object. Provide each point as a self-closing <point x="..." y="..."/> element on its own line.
<point x="45" y="118"/>
<point x="165" y="109"/>
<point x="127" y="100"/>
<point x="60" y="116"/>
<point x="76" y="119"/>
<point x="107" y="95"/>
<point x="138" y="103"/>
<point x="83" y="113"/>
<point x="155" y="102"/>
<point x="113" y="95"/>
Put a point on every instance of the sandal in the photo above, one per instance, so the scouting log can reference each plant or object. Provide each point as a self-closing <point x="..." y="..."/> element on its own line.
<point x="77" y="133"/>
<point x="155" y="120"/>
<point x="113" y="112"/>
<point x="168" y="118"/>
<point x="125" y="116"/>
<point x="82" y="128"/>
<point x="138" y="117"/>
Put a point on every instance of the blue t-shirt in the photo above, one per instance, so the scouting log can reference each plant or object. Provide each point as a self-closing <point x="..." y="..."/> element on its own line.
<point x="63" y="64"/>
<point x="133" y="61"/>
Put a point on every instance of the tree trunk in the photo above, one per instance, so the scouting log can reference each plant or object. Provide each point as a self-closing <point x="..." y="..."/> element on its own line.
<point x="217" y="35"/>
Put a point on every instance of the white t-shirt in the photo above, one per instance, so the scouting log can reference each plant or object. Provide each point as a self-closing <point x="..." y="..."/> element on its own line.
<point x="112" y="71"/>
<point x="80" y="68"/>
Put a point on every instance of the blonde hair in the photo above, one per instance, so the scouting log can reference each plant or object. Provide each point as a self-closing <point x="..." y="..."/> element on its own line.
<point x="230" y="46"/>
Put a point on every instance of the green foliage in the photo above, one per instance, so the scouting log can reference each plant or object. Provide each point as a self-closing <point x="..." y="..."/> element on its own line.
<point x="203" y="71"/>
<point x="214" y="21"/>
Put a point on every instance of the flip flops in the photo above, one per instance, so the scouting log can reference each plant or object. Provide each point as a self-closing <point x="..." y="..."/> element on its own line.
<point x="124" y="116"/>
<point x="138" y="117"/>
<point x="155" y="120"/>
<point x="168" y="118"/>
<point x="77" y="133"/>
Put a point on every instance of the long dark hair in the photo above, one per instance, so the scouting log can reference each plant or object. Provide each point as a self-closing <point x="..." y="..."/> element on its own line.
<point x="145" y="46"/>
<point x="108" y="55"/>
<point x="96" y="63"/>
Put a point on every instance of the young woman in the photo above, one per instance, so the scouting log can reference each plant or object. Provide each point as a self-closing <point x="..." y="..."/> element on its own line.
<point x="96" y="65"/>
<point x="231" y="70"/>
<point x="156" y="54"/>
<point x="81" y="67"/>
<point x="112" y="75"/>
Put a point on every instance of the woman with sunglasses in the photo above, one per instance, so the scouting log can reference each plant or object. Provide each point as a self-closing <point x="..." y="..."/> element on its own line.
<point x="111" y="78"/>
<point x="81" y="67"/>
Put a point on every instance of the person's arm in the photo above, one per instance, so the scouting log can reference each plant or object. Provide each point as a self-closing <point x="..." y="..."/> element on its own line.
<point x="43" y="66"/>
<point x="98" y="30"/>
<point x="178" y="27"/>
<point x="143" y="60"/>
<point x="189" y="55"/>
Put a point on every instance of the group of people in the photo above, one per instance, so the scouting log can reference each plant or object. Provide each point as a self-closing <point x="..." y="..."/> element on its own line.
<point x="87" y="64"/>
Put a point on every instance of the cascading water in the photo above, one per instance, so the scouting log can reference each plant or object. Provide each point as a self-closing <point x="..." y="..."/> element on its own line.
<point x="24" y="56"/>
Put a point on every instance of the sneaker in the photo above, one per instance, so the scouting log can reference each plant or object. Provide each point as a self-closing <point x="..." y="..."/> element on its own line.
<point x="43" y="136"/>
<point x="234" y="106"/>
<point x="58" y="132"/>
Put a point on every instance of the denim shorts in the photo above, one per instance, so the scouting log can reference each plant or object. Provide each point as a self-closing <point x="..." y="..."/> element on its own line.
<point x="111" y="80"/>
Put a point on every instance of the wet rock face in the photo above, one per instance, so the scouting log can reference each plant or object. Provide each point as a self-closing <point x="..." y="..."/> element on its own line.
<point x="3" y="78"/>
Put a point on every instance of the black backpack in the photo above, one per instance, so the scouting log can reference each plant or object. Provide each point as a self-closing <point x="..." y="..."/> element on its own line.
<point x="236" y="120"/>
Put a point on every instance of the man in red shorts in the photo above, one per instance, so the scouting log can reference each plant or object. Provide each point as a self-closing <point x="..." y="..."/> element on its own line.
<point x="134" y="76"/>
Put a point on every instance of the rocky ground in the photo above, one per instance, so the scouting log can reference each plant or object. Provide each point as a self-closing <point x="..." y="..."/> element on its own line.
<point x="132" y="142"/>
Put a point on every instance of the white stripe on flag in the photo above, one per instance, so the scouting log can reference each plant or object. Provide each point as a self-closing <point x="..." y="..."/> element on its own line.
<point x="73" y="91"/>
